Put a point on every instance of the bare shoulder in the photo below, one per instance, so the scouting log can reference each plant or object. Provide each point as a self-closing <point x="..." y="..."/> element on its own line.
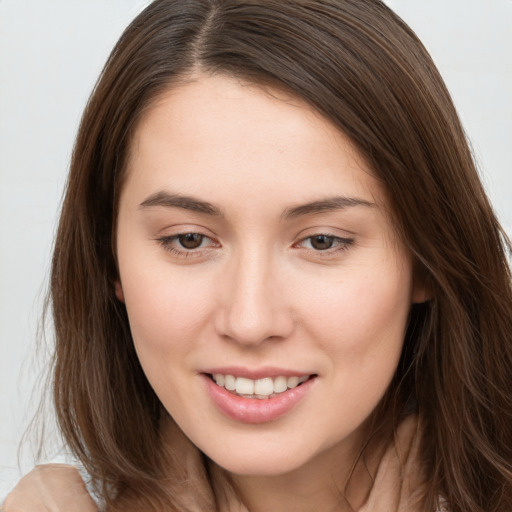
<point x="50" y="488"/>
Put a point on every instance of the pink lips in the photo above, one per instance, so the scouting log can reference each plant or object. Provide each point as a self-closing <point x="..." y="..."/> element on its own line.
<point x="253" y="410"/>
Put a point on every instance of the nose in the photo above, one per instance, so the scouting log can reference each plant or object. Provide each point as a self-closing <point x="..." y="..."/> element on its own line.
<point x="254" y="305"/>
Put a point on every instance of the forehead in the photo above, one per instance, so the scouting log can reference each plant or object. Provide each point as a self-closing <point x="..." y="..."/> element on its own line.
<point x="214" y="133"/>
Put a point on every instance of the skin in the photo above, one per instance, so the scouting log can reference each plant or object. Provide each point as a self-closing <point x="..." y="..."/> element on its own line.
<point x="50" y="488"/>
<point x="258" y="291"/>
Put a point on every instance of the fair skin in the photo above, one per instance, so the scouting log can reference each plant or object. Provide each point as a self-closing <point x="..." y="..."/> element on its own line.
<point x="254" y="241"/>
<point x="50" y="488"/>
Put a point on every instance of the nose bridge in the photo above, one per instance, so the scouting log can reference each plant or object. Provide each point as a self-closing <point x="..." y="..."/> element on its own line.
<point x="254" y="305"/>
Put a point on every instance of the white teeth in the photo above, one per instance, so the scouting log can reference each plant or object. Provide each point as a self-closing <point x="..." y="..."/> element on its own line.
<point x="280" y="384"/>
<point x="229" y="382"/>
<point x="244" y="386"/>
<point x="261" y="388"/>
<point x="292" y="382"/>
<point x="264" y="387"/>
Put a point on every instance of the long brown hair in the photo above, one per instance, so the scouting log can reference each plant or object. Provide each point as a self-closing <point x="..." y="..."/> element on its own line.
<point x="359" y="65"/>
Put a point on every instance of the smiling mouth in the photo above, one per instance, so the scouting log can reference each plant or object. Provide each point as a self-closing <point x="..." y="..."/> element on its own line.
<point x="261" y="389"/>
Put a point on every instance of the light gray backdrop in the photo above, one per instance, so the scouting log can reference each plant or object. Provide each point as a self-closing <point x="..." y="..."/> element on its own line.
<point x="51" y="52"/>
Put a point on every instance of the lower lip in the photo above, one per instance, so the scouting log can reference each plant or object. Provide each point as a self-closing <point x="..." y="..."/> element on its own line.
<point x="255" y="410"/>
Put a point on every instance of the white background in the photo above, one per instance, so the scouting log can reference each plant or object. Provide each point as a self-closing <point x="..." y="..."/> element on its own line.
<point x="51" y="52"/>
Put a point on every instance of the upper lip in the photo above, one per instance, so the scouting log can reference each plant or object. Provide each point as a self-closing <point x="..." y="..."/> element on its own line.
<point x="256" y="373"/>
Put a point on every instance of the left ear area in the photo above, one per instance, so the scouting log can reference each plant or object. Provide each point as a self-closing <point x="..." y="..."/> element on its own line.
<point x="119" y="291"/>
<point x="422" y="284"/>
<point x="422" y="290"/>
<point x="420" y="294"/>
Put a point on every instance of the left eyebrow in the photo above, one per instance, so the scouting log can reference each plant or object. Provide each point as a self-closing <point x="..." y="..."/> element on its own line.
<point x="170" y="200"/>
<point x="325" y="205"/>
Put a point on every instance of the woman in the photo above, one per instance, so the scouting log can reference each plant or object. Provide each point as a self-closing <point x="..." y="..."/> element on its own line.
<point x="277" y="281"/>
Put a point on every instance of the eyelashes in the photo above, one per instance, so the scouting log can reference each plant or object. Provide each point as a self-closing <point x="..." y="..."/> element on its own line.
<point x="187" y="244"/>
<point x="323" y="243"/>
<point x="192" y="244"/>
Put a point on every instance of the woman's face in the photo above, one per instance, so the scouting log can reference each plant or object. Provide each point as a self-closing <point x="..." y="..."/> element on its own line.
<point x="255" y="248"/>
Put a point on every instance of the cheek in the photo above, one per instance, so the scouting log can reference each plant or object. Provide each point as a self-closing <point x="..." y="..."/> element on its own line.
<point x="360" y="325"/>
<point x="360" y="321"/>
<point x="166" y="317"/>
<point x="165" y="310"/>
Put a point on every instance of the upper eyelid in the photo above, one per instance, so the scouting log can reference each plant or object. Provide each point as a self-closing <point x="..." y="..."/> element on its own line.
<point x="340" y="241"/>
<point x="298" y="239"/>
<point x="174" y="237"/>
<point x="169" y="244"/>
<point x="325" y="233"/>
<point x="182" y="233"/>
<point x="328" y="234"/>
<point x="177" y="230"/>
<point x="337" y="232"/>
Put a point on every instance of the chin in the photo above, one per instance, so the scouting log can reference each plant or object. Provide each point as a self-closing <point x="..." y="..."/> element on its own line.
<point x="260" y="464"/>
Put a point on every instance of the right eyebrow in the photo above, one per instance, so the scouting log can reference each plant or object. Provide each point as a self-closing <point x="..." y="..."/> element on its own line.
<point x="325" y="205"/>
<point x="169" y="200"/>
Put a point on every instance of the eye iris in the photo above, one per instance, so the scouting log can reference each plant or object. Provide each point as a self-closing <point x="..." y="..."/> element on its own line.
<point x="190" y="240"/>
<point x="322" y="242"/>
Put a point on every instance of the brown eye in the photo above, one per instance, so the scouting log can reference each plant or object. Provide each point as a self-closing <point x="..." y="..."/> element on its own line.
<point x="190" y="240"/>
<point x="321" y="242"/>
